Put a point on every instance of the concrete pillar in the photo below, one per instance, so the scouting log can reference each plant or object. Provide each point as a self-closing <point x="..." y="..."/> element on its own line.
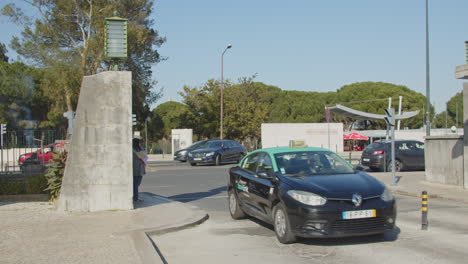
<point x="465" y="135"/>
<point x="98" y="173"/>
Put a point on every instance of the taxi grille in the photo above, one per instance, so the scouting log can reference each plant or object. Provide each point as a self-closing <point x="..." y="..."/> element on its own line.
<point x="364" y="224"/>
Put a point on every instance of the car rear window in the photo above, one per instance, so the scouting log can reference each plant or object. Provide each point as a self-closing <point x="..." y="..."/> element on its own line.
<point x="375" y="146"/>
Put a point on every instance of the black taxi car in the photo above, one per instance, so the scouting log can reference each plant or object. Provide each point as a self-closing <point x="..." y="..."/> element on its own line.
<point x="309" y="192"/>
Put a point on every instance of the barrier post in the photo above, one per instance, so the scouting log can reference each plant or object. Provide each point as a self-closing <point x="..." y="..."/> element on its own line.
<point x="424" y="221"/>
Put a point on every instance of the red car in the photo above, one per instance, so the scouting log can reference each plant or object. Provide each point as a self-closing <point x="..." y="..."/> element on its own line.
<point x="43" y="155"/>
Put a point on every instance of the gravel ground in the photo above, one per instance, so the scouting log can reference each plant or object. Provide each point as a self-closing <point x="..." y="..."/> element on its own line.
<point x="33" y="232"/>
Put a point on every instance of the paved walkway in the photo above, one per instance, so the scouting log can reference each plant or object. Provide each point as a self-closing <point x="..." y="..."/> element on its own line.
<point x="33" y="232"/>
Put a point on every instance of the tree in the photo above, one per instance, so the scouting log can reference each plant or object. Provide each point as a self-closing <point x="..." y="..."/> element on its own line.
<point x="454" y="109"/>
<point x="204" y="103"/>
<point x="20" y="96"/>
<point x="372" y="97"/>
<point x="300" y="107"/>
<point x="247" y="105"/>
<point x="3" y="52"/>
<point x="168" y="116"/>
<point x="67" y="37"/>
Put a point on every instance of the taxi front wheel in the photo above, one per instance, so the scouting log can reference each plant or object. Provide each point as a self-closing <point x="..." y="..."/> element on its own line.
<point x="234" y="208"/>
<point x="282" y="226"/>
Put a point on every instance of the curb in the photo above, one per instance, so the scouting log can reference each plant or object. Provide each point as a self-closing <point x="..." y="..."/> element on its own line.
<point x="144" y="244"/>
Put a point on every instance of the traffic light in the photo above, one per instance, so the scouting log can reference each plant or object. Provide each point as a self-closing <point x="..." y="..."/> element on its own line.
<point x="390" y="116"/>
<point x="3" y="128"/>
<point x="134" y="120"/>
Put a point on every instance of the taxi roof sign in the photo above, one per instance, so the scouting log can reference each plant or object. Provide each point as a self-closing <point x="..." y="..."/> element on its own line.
<point x="297" y="144"/>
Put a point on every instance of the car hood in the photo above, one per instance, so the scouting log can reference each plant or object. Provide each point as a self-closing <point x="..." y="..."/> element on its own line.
<point x="180" y="150"/>
<point x="340" y="186"/>
<point x="204" y="150"/>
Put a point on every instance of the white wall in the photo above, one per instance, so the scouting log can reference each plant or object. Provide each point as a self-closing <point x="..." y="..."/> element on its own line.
<point x="326" y="135"/>
<point x="181" y="138"/>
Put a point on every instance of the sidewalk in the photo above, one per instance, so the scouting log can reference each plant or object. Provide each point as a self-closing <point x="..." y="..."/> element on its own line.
<point x="33" y="232"/>
<point x="412" y="183"/>
<point x="160" y="157"/>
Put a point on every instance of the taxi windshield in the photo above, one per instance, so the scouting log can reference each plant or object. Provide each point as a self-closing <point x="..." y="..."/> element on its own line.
<point x="308" y="163"/>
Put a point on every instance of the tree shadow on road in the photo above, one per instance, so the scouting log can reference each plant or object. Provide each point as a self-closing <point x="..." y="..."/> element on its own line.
<point x="189" y="197"/>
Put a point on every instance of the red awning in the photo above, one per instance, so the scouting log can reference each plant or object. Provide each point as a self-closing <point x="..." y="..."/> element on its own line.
<point x="354" y="136"/>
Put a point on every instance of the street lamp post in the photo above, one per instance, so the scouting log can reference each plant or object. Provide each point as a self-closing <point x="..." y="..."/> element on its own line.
<point x="428" y="99"/>
<point x="222" y="90"/>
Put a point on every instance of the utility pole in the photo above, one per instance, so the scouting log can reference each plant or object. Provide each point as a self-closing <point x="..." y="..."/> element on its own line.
<point x="428" y="96"/>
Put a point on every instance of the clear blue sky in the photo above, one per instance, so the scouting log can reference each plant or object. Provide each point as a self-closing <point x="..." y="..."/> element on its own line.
<point x="309" y="45"/>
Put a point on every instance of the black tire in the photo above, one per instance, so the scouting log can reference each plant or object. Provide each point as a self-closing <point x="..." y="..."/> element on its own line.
<point x="282" y="225"/>
<point x="218" y="160"/>
<point x="374" y="169"/>
<point x="234" y="207"/>
<point x="398" y="166"/>
<point x="193" y="164"/>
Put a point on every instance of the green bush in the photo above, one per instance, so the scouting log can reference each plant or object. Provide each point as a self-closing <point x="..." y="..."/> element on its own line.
<point x="30" y="185"/>
<point x="54" y="174"/>
<point x="8" y="187"/>
<point x="36" y="184"/>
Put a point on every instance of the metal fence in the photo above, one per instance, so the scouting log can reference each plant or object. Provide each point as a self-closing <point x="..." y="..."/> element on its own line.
<point x="27" y="144"/>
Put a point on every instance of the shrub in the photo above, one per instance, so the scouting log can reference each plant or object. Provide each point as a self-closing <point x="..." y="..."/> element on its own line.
<point x="9" y="187"/>
<point x="31" y="185"/>
<point x="36" y="184"/>
<point x="54" y="174"/>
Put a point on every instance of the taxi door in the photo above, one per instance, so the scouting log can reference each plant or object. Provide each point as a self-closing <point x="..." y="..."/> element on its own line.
<point x="262" y="190"/>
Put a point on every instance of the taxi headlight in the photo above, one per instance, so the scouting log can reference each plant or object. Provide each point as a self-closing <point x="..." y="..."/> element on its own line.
<point x="387" y="195"/>
<point x="307" y="197"/>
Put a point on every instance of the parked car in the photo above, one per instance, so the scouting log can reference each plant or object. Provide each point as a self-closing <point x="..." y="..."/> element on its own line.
<point x="42" y="155"/>
<point x="409" y="154"/>
<point x="181" y="154"/>
<point x="217" y="151"/>
<point x="309" y="192"/>
<point x="33" y="162"/>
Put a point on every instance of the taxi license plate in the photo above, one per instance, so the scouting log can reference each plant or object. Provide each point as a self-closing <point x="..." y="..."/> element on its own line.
<point x="358" y="214"/>
<point x="366" y="159"/>
<point x="197" y="159"/>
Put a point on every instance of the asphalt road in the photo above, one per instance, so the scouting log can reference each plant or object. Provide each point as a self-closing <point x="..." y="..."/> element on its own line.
<point x="224" y="240"/>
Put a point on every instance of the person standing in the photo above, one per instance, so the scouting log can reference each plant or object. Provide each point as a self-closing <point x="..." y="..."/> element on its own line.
<point x="139" y="167"/>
